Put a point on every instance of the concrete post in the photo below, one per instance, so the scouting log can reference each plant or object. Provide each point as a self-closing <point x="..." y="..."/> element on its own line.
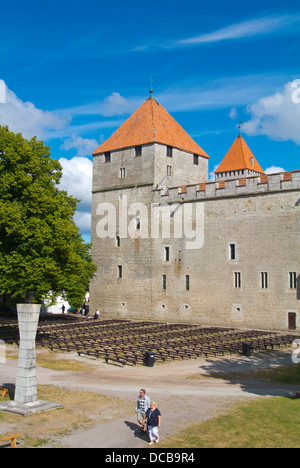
<point x="26" y="401"/>
<point x="26" y="382"/>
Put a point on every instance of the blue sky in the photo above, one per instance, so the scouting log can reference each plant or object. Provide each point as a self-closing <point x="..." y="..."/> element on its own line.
<point x="74" y="71"/>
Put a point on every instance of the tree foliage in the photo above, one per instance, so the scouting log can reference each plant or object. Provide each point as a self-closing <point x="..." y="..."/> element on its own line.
<point x="41" y="249"/>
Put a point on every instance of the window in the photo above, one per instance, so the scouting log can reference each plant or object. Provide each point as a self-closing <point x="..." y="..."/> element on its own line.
<point x="264" y="280"/>
<point x="237" y="280"/>
<point x="169" y="170"/>
<point x="187" y="282"/>
<point x="138" y="224"/>
<point x="118" y="241"/>
<point x="292" y="317"/>
<point x="107" y="157"/>
<point x="169" y="151"/>
<point x="167" y="254"/>
<point x="120" y="271"/>
<point x="164" y="282"/>
<point x="293" y="280"/>
<point x="138" y="151"/>
<point x="232" y="252"/>
<point x="122" y="172"/>
<point x="196" y="159"/>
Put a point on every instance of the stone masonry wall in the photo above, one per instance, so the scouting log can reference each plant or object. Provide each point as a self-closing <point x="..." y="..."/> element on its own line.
<point x="163" y="280"/>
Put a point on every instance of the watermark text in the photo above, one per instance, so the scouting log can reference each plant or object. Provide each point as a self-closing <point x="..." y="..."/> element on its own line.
<point x="2" y="352"/>
<point x="296" y="92"/>
<point x="2" y="92"/>
<point x="296" y="353"/>
<point x="159" y="221"/>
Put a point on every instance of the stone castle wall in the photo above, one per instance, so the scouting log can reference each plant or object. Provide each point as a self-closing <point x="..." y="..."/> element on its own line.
<point x="162" y="279"/>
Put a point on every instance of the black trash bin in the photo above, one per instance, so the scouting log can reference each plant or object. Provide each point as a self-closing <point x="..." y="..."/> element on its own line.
<point x="247" y="348"/>
<point x="149" y="359"/>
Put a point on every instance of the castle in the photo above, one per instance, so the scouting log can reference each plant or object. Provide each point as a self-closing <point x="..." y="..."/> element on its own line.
<point x="171" y="246"/>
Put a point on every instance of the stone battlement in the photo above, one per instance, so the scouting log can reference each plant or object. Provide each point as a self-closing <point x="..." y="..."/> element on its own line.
<point x="234" y="187"/>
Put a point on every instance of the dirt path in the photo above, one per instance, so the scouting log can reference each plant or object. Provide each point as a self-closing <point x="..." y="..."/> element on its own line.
<point x="184" y="395"/>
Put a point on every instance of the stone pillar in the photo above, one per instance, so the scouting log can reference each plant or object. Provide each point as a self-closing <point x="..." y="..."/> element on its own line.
<point x="26" y="401"/>
<point x="26" y="382"/>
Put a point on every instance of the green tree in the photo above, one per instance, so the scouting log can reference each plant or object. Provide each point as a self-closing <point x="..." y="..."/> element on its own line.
<point x="41" y="249"/>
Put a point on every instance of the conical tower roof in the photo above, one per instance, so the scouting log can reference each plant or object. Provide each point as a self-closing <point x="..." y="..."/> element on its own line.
<point x="150" y="123"/>
<point x="239" y="157"/>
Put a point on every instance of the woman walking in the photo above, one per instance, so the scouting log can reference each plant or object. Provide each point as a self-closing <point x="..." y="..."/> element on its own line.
<point x="153" y="417"/>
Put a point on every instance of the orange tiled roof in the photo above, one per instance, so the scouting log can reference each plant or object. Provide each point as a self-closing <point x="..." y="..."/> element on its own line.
<point x="239" y="157"/>
<point x="150" y="123"/>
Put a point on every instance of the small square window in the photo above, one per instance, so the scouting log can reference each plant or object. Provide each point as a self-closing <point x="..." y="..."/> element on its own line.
<point x="169" y="151"/>
<point x="138" y="151"/>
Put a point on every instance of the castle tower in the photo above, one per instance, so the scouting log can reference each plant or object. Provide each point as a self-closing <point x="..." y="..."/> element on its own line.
<point x="149" y="139"/>
<point x="239" y="161"/>
<point x="149" y="151"/>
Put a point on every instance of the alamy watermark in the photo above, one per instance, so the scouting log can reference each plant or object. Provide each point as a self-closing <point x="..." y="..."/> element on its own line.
<point x="2" y="352"/>
<point x="159" y="221"/>
<point x="296" y="353"/>
<point x="2" y="92"/>
<point x="296" y="92"/>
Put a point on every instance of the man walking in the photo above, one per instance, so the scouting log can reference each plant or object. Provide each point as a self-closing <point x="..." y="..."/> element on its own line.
<point x="142" y="405"/>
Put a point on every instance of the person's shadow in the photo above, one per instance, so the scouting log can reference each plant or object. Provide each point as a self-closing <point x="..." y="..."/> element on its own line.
<point x="137" y="430"/>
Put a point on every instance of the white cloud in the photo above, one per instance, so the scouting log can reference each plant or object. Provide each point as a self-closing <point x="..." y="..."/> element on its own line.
<point x="115" y="104"/>
<point x="112" y="105"/>
<point x="77" y="181"/>
<point x="277" y="116"/>
<point x="226" y="92"/>
<point x="212" y="175"/>
<point x="233" y="113"/>
<point x="83" y="146"/>
<point x="274" y="170"/>
<point x="255" y="27"/>
<point x="24" y="117"/>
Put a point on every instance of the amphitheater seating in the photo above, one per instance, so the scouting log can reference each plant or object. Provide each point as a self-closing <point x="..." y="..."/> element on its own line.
<point x="124" y="342"/>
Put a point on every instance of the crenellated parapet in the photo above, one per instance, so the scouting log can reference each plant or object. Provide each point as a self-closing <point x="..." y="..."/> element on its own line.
<point x="256" y="185"/>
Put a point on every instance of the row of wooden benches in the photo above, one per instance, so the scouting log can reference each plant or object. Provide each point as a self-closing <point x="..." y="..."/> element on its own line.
<point x="126" y="341"/>
<point x="161" y="331"/>
<point x="133" y="353"/>
<point x="178" y="339"/>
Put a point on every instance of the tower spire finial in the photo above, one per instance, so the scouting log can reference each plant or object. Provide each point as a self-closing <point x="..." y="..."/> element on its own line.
<point x="151" y="90"/>
<point x="240" y="125"/>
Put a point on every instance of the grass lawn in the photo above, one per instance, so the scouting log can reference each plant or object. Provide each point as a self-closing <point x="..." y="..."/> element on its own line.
<point x="266" y="423"/>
